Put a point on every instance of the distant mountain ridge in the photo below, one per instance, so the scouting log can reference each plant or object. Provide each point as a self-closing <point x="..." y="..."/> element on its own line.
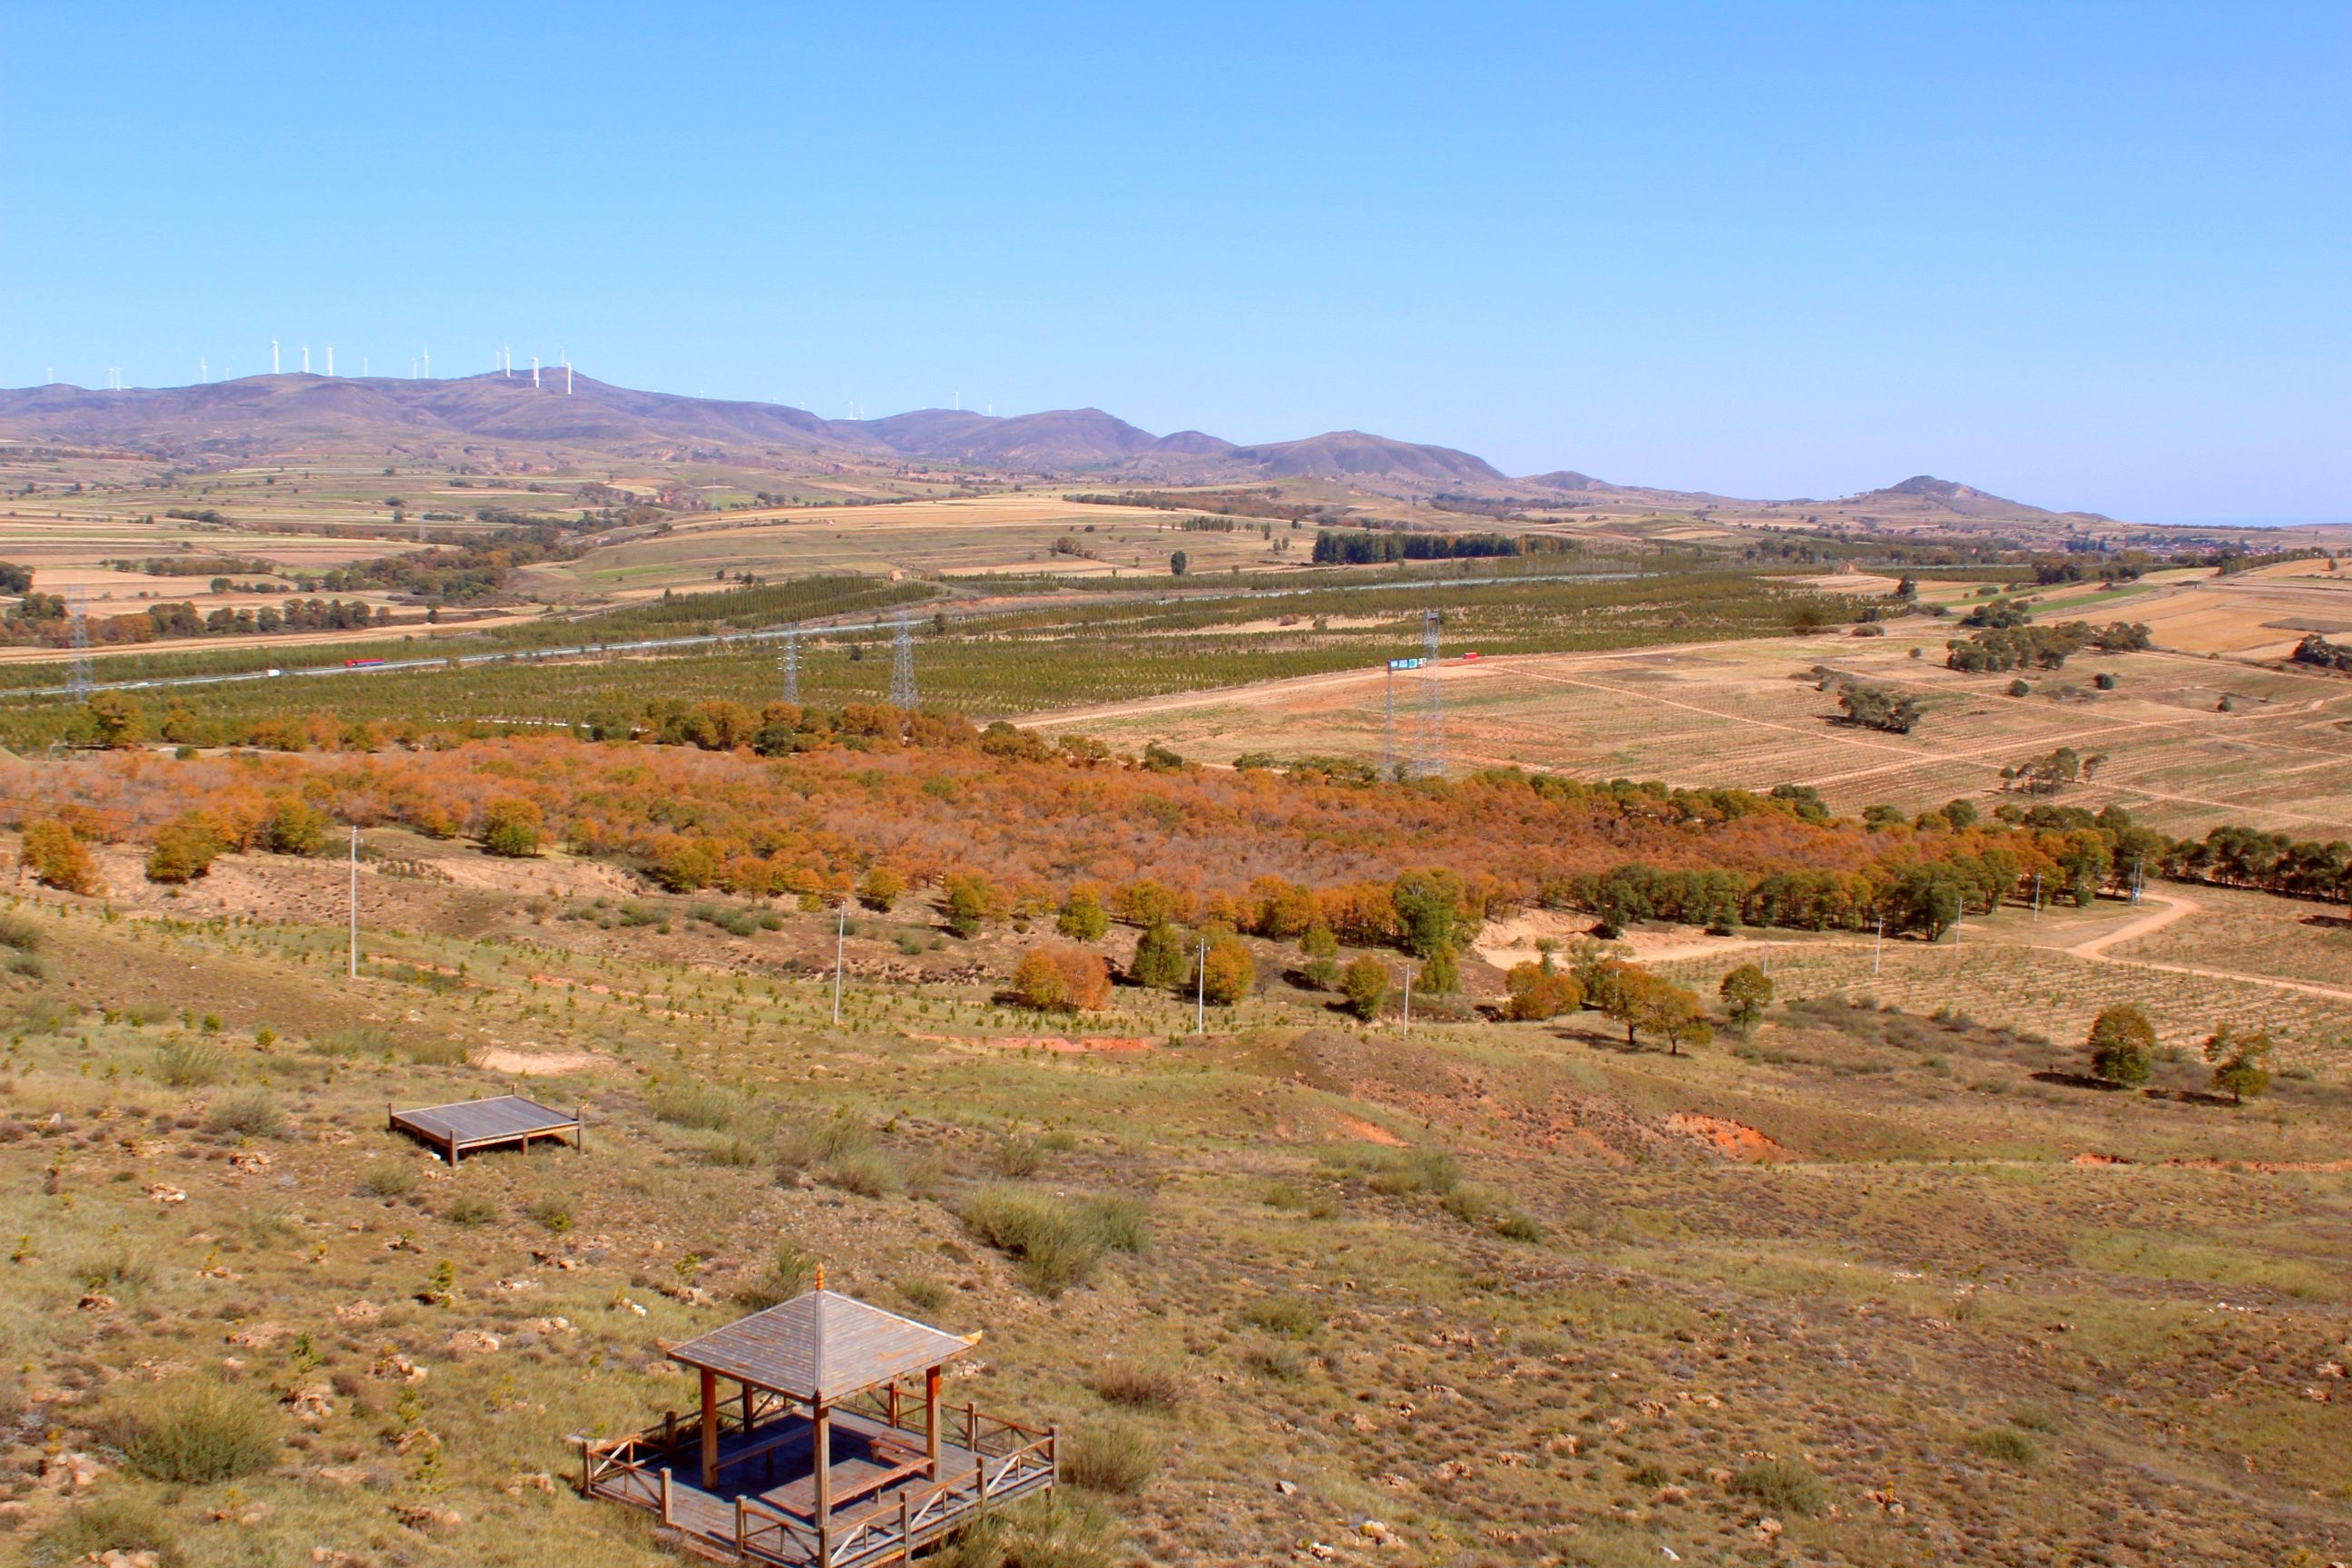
<point x="257" y="415"/>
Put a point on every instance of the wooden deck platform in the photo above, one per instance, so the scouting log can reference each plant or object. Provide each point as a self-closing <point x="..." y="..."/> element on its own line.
<point x="884" y="1507"/>
<point x="507" y="1120"/>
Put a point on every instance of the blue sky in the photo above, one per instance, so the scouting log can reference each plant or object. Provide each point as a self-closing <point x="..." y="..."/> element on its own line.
<point x="2087" y="255"/>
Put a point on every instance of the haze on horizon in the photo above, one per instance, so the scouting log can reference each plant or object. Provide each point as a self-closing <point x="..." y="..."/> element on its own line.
<point x="2089" y="261"/>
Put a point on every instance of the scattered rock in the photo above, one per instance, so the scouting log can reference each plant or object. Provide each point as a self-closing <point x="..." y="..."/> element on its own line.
<point x="420" y="1516"/>
<point x="551" y="1326"/>
<point x="1768" y="1529"/>
<point x="358" y="1312"/>
<point x="258" y="1336"/>
<point x="165" y="1194"/>
<point x="252" y="1162"/>
<point x="1286" y="1489"/>
<point x="393" y="1364"/>
<point x="95" y="1301"/>
<point x="309" y="1403"/>
<point x="472" y="1342"/>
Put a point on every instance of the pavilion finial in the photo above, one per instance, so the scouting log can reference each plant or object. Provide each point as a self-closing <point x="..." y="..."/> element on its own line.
<point x="820" y="1276"/>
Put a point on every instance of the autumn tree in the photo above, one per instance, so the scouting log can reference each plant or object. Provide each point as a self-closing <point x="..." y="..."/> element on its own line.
<point x="1441" y="972"/>
<point x="1365" y="984"/>
<point x="2238" y="1069"/>
<point x="879" y="888"/>
<point x="1061" y="977"/>
<point x="1640" y="1000"/>
<point x="511" y="828"/>
<point x="294" y="827"/>
<point x="1746" y="991"/>
<point x="57" y="858"/>
<point x="1538" y="992"/>
<point x="1227" y="971"/>
<point x="1082" y="917"/>
<point x="2122" y="1044"/>
<point x="185" y="848"/>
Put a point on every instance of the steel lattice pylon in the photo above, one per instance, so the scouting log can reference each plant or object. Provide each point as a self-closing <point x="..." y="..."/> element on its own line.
<point x="1429" y="741"/>
<point x="902" y="668"/>
<point x="77" y="676"/>
<point x="791" y="664"/>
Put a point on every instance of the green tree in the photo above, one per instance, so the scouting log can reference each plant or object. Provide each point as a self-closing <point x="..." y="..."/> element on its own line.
<point x="185" y="848"/>
<point x="295" y="827"/>
<point x="112" y="719"/>
<point x="511" y="828"/>
<point x="1429" y="909"/>
<point x="969" y="898"/>
<point x="1162" y="958"/>
<point x="1179" y="563"/>
<point x="1365" y="984"/>
<point x="1082" y="917"/>
<point x="1441" y="972"/>
<point x="1746" y="991"/>
<point x="2122" y="1043"/>
<point x="2238" y="1059"/>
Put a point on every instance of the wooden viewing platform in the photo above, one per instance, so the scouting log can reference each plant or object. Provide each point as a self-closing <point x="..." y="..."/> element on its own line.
<point x="829" y="1456"/>
<point x="470" y="1126"/>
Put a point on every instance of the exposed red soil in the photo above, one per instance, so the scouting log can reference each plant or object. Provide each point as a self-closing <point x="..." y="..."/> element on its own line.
<point x="2256" y="1167"/>
<point x="1729" y="1138"/>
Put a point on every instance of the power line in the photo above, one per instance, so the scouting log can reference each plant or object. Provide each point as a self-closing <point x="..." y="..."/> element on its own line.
<point x="902" y="668"/>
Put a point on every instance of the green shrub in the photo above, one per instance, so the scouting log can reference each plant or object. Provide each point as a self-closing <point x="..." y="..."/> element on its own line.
<point x="19" y="933"/>
<point x="1276" y="1361"/>
<point x="1143" y="1386"/>
<point x="435" y="1053"/>
<point x="1784" y="1486"/>
<point x="867" y="1171"/>
<point x="471" y="1210"/>
<point x="1058" y="1531"/>
<point x="195" y="1433"/>
<point x="789" y="1274"/>
<point x="1316" y="1202"/>
<point x="552" y="1211"/>
<point x="2006" y="1444"/>
<point x="1115" y="1456"/>
<point x="359" y="1041"/>
<point x="189" y="1064"/>
<point x="1293" y="1317"/>
<point x="1051" y="1240"/>
<point x="108" y="1523"/>
<point x="806" y="1145"/>
<point x="250" y="1112"/>
<point x="733" y="1150"/>
<point x="925" y="1294"/>
<point x="1407" y="1173"/>
<point x="389" y="1179"/>
<point x="1016" y="1155"/>
<point x="1120" y="1224"/>
<point x="706" y="1108"/>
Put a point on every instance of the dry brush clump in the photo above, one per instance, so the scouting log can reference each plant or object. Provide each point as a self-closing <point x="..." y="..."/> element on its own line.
<point x="198" y="1431"/>
<point x="1057" y="1242"/>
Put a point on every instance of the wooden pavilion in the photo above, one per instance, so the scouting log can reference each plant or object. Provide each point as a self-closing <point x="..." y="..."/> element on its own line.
<point x="470" y="1126"/>
<point x="832" y="1448"/>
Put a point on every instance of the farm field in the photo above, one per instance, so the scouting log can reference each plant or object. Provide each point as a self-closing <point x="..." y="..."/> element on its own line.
<point x="1867" y="1286"/>
<point x="1008" y="533"/>
<point x="1750" y="714"/>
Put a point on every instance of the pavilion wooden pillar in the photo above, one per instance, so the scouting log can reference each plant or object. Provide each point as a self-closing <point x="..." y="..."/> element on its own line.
<point x="709" y="1430"/>
<point x="824" y="1457"/>
<point x="932" y="1418"/>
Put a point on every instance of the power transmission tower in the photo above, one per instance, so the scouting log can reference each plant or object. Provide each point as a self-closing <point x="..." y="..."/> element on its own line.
<point x="77" y="673"/>
<point x="902" y="668"/>
<point x="1387" y="728"/>
<point x="1429" y="745"/>
<point x="791" y="663"/>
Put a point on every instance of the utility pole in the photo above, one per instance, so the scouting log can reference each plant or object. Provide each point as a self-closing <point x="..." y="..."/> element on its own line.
<point x="1879" y="945"/>
<point x="1408" y="998"/>
<point x="840" y="942"/>
<point x="2037" y="897"/>
<point x="1201" y="992"/>
<point x="1387" y="730"/>
<point x="77" y="674"/>
<point x="355" y="903"/>
<point x="791" y="662"/>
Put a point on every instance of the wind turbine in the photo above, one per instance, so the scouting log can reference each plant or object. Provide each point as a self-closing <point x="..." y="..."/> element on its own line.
<point x="566" y="357"/>
<point x="506" y="362"/>
<point x="306" y="359"/>
<point x="273" y="356"/>
<point x="204" y="371"/>
<point x="534" y="372"/>
<point x="330" y="358"/>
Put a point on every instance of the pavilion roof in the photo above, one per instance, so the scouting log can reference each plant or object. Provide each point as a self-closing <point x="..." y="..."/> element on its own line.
<point x="821" y="1346"/>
